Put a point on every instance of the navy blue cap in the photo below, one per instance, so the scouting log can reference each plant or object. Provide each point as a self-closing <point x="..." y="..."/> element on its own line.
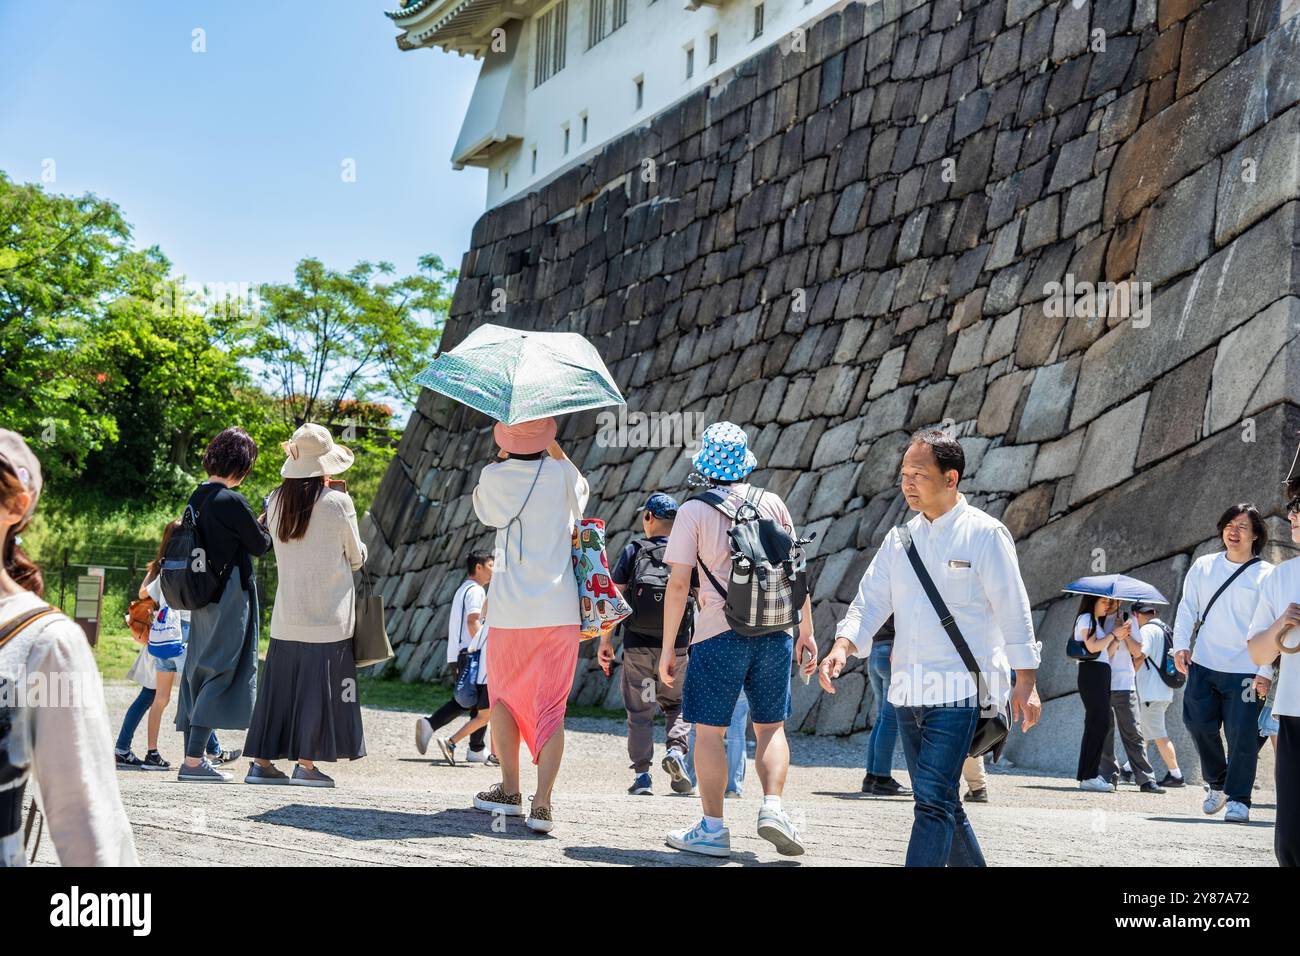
<point x="661" y="505"/>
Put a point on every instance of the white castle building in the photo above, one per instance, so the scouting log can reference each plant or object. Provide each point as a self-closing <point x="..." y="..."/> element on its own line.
<point x="562" y="77"/>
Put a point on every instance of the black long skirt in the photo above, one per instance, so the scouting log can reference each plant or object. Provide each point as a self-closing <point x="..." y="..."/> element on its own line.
<point x="307" y="706"/>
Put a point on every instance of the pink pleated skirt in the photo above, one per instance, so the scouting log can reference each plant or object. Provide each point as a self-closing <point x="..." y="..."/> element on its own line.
<point x="530" y="671"/>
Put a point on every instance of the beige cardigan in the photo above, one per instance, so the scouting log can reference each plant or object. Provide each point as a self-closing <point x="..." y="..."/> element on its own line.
<point x="314" y="599"/>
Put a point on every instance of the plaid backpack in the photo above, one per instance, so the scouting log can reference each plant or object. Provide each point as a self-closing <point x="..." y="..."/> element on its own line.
<point x="769" y="577"/>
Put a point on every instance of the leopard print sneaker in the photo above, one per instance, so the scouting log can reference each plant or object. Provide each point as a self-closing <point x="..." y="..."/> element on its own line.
<point x="539" y="820"/>
<point x="496" y="800"/>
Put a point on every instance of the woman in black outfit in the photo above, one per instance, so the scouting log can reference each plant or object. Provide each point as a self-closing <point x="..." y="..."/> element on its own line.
<point x="220" y="679"/>
<point x="1094" y="688"/>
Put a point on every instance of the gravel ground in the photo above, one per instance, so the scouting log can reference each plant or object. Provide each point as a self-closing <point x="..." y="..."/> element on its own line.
<point x="397" y="808"/>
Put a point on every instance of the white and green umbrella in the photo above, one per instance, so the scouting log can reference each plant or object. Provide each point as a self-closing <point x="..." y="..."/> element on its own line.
<point x="517" y="376"/>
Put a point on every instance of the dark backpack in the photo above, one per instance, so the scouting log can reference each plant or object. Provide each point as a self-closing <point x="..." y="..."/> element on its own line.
<point x="1168" y="672"/>
<point x="646" y="587"/>
<point x="769" y="577"/>
<point x="188" y="579"/>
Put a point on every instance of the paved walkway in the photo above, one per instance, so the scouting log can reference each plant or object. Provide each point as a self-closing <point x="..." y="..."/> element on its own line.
<point x="396" y="808"/>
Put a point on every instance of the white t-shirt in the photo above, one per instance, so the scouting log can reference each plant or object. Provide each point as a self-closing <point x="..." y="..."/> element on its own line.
<point x="1121" y="663"/>
<point x="1151" y="689"/>
<point x="1083" y="623"/>
<point x="468" y="599"/>
<point x="1278" y="588"/>
<point x="533" y="584"/>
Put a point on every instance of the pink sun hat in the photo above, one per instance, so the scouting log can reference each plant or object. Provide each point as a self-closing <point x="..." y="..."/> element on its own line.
<point x="526" y="438"/>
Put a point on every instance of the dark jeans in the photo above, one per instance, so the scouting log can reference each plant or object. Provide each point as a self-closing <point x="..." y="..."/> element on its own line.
<point x="1094" y="694"/>
<point x="449" y="712"/>
<point x="884" y="729"/>
<point x="135" y="713"/>
<point x="1286" y="832"/>
<point x="1214" y="700"/>
<point x="936" y="741"/>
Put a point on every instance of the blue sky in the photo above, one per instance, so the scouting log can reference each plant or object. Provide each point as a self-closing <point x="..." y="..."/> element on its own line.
<point x="231" y="159"/>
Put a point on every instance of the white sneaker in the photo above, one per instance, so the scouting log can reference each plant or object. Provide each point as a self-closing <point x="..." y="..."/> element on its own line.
<point x="775" y="827"/>
<point x="448" y="750"/>
<point x="698" y="840"/>
<point x="1214" y="801"/>
<point x="477" y="756"/>
<point x="1097" y="785"/>
<point x="423" y="734"/>
<point x="1237" y="812"/>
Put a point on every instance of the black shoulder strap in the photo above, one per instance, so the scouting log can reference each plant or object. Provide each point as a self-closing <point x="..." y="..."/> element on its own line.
<point x="941" y="609"/>
<point x="1224" y="586"/>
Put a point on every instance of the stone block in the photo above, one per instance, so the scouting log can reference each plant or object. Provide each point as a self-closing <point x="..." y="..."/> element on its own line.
<point x="1250" y="355"/>
<point x="887" y="372"/>
<point x="1180" y="232"/>
<point x="1057" y="459"/>
<point x="1260" y="174"/>
<point x="1000" y="403"/>
<point x="1110" y="449"/>
<point x="1177" y="409"/>
<point x="1048" y="407"/>
<point x="1006" y="468"/>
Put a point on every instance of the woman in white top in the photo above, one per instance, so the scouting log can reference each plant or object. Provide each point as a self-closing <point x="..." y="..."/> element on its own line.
<point x="307" y="706"/>
<point x="1094" y="627"/>
<point x="63" y="742"/>
<point x="1272" y="630"/>
<point x="532" y="498"/>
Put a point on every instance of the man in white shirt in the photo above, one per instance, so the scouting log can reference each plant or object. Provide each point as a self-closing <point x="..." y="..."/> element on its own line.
<point x="972" y="559"/>
<point x="1225" y="690"/>
<point x="463" y="626"/>
<point x="1154" y="695"/>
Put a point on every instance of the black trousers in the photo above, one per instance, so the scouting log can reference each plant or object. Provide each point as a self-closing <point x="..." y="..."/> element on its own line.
<point x="1286" y="832"/>
<point x="1094" y="694"/>
<point x="449" y="712"/>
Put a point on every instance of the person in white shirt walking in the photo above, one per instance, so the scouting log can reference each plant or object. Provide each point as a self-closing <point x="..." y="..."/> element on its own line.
<point x="972" y="559"/>
<point x="463" y="626"/>
<point x="1223" y="692"/>
<point x="1154" y="695"/>
<point x="1272" y="629"/>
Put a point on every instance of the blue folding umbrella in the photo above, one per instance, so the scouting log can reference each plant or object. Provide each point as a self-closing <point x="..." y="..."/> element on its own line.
<point x="1120" y="587"/>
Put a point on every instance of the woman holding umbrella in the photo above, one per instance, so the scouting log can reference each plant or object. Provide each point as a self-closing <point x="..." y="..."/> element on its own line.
<point x="532" y="498"/>
<point x="1107" y="680"/>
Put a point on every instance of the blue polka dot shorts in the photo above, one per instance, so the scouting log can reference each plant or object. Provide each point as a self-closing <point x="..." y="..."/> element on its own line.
<point x="721" y="666"/>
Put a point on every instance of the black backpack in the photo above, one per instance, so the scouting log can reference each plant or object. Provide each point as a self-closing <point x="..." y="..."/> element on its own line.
<point x="1169" y="673"/>
<point x="769" y="575"/>
<point x="188" y="579"/>
<point x="647" y="584"/>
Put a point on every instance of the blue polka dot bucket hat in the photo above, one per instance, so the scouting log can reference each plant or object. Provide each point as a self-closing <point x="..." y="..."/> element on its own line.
<point x="724" y="453"/>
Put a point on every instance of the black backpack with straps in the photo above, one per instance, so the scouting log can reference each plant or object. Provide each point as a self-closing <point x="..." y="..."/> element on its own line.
<point x="187" y="577"/>
<point x="768" y="583"/>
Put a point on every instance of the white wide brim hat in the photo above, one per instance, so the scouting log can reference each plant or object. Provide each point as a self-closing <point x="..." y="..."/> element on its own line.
<point x="312" y="453"/>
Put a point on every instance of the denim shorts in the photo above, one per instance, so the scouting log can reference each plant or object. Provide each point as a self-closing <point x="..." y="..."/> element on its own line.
<point x="723" y="665"/>
<point x="172" y="664"/>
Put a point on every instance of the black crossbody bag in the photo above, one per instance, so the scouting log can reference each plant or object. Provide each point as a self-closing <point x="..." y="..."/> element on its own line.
<point x="992" y="728"/>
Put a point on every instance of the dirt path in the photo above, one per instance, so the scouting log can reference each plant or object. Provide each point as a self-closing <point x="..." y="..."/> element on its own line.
<point x="396" y="808"/>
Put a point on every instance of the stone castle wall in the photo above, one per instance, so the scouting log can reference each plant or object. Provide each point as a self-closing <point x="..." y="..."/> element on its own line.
<point x="857" y="237"/>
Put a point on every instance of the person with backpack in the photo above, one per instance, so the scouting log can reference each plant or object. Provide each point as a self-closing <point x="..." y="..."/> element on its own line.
<point x="208" y="570"/>
<point x="1155" y="686"/>
<point x="532" y="497"/>
<point x="464" y="622"/>
<point x="1221" y="699"/>
<point x="1125" y="658"/>
<point x="63" y="742"/>
<point x="962" y="621"/>
<point x="753" y="595"/>
<point x="641" y="576"/>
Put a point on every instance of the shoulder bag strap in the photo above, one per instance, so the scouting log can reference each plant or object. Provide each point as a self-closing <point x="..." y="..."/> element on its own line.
<point x="1223" y="587"/>
<point x="517" y="519"/>
<point x="941" y="609"/>
<point x="12" y="629"/>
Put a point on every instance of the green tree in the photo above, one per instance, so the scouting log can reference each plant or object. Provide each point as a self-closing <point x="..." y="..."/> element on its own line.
<point x="332" y="337"/>
<point x="60" y="261"/>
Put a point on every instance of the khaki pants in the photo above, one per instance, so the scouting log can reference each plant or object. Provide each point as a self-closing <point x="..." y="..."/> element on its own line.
<point x="973" y="771"/>
<point x="642" y="694"/>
